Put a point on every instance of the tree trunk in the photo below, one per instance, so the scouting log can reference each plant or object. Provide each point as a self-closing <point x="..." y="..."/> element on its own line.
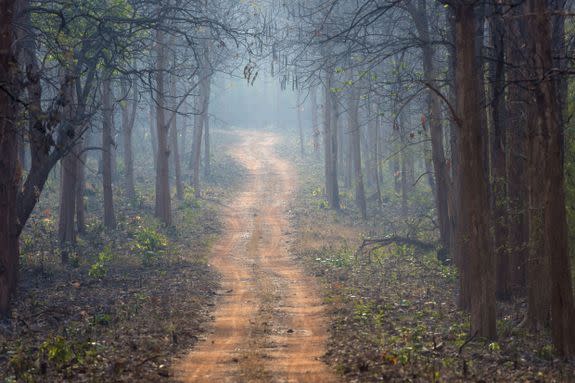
<point x="474" y="242"/>
<point x="314" y="122"/>
<point x="202" y="105"/>
<point x="330" y="144"/>
<point x="175" y="150"/>
<point x="81" y="187"/>
<point x="163" y="208"/>
<point x="517" y="180"/>
<point x="207" y="154"/>
<point x="498" y="144"/>
<point x="546" y="145"/>
<point x="107" y="148"/>
<point x="9" y="167"/>
<point x="153" y="131"/>
<point x="128" y="119"/>
<point x="353" y="105"/>
<point x="299" y="124"/>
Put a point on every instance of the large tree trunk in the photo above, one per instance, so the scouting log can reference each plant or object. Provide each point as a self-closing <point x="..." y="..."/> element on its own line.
<point x="9" y="167"/>
<point x="163" y="208"/>
<point x="498" y="144"/>
<point x="66" y="228"/>
<point x="546" y="143"/>
<point x="517" y="181"/>
<point x="474" y="241"/>
<point x="107" y="148"/>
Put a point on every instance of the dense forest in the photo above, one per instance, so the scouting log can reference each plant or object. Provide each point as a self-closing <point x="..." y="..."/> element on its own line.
<point x="287" y="191"/>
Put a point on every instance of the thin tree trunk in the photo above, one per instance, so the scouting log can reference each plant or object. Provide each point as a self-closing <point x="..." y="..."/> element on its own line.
<point x="330" y="144"/>
<point x="174" y="138"/>
<point x="81" y="187"/>
<point x="153" y="131"/>
<point x="355" y="138"/>
<point x="314" y="122"/>
<point x="128" y="119"/>
<point x="299" y="124"/>
<point x="207" y="154"/>
<point x="163" y="209"/>
<point x="107" y="143"/>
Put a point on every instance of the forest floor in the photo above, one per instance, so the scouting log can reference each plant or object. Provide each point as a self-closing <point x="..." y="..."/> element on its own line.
<point x="270" y="323"/>
<point x="130" y="300"/>
<point x="392" y="311"/>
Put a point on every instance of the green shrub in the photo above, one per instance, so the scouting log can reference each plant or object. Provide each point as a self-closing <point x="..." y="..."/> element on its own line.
<point x="149" y="244"/>
<point x="100" y="269"/>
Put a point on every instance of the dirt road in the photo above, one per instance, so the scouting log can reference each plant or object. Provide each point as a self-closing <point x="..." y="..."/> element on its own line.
<point x="269" y="321"/>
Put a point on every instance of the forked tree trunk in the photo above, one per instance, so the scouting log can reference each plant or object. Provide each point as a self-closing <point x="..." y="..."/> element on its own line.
<point x="474" y="241"/>
<point x="107" y="148"/>
<point x="163" y="210"/>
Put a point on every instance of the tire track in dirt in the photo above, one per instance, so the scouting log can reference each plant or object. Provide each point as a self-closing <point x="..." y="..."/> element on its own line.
<point x="270" y="324"/>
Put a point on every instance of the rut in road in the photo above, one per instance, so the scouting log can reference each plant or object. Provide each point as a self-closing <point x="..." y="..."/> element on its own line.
<point x="269" y="324"/>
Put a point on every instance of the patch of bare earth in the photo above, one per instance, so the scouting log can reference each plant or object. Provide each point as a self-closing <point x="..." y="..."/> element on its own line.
<point x="270" y="323"/>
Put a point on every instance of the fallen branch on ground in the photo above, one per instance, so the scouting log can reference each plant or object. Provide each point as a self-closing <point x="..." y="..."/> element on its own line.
<point x="381" y="242"/>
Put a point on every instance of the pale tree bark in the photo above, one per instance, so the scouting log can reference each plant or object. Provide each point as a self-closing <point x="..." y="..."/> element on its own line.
<point x="353" y="110"/>
<point x="474" y="239"/>
<point x="299" y="107"/>
<point x="153" y="130"/>
<point x="314" y="122"/>
<point x="330" y="143"/>
<point x="107" y="148"/>
<point x="200" y="117"/>
<point x="129" y="109"/>
<point x="207" y="152"/>
<point x="175" y="150"/>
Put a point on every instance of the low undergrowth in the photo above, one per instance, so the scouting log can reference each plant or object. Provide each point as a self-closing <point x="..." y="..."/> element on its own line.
<point x="393" y="312"/>
<point x="128" y="300"/>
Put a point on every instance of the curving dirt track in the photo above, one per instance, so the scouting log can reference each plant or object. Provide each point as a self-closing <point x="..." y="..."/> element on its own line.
<point x="269" y="320"/>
